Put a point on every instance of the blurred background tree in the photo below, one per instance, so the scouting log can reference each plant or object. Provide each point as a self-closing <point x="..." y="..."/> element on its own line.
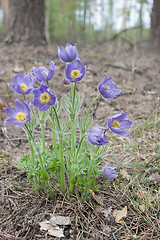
<point x="155" y="25"/>
<point x="86" y="21"/>
<point x="26" y="21"/>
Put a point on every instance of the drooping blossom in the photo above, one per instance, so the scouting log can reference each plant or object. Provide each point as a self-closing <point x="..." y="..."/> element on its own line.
<point x="117" y="124"/>
<point x="42" y="74"/>
<point x="107" y="88"/>
<point x="110" y="172"/>
<point x="18" y="116"/>
<point x="22" y="84"/>
<point x="67" y="54"/>
<point x="75" y="72"/>
<point x="97" y="137"/>
<point x="44" y="97"/>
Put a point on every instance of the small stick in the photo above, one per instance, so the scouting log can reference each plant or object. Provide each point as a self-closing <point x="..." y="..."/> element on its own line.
<point x="12" y="222"/>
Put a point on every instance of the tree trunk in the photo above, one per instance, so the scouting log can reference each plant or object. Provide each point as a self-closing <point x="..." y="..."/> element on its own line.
<point x="5" y="6"/>
<point x="155" y="25"/>
<point x="27" y="22"/>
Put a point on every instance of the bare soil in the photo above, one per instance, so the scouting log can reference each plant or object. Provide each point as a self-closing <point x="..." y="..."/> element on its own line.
<point x="137" y="73"/>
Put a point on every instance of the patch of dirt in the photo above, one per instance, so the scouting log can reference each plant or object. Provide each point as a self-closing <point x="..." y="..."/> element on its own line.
<point x="138" y="75"/>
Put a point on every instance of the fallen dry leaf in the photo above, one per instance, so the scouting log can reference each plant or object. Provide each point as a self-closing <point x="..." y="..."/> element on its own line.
<point x="150" y="197"/>
<point x="52" y="230"/>
<point x="60" y="220"/>
<point x="154" y="176"/>
<point x="106" y="212"/>
<point x="96" y="198"/>
<point x="56" y="232"/>
<point x="52" y="227"/>
<point x="142" y="207"/>
<point x="146" y="195"/>
<point x="120" y="214"/>
<point x="141" y="193"/>
<point x="124" y="173"/>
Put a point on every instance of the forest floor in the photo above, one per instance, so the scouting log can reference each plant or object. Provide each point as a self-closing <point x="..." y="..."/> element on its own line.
<point x="137" y="158"/>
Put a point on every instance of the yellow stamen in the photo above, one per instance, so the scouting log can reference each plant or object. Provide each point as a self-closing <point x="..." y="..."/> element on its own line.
<point x="45" y="97"/>
<point x="24" y="87"/>
<point x="116" y="124"/>
<point x="20" y="116"/>
<point x="107" y="88"/>
<point x="75" y="73"/>
<point x="46" y="73"/>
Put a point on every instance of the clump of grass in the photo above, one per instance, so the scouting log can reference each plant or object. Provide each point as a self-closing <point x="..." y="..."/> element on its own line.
<point x="142" y="161"/>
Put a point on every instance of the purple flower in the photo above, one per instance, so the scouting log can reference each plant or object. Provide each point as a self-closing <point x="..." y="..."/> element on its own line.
<point x="107" y="88"/>
<point x="20" y="115"/>
<point x="67" y="54"/>
<point x="110" y="172"/>
<point x="97" y="137"/>
<point x="22" y="84"/>
<point x="117" y="124"/>
<point x="43" y="74"/>
<point x="43" y="98"/>
<point x="75" y="72"/>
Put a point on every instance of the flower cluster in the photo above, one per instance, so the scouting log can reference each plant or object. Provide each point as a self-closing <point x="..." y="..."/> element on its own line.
<point x="44" y="99"/>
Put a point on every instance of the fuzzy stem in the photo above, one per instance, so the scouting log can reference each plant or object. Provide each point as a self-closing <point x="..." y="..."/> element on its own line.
<point x="24" y="96"/>
<point x="53" y="132"/>
<point x="62" y="175"/>
<point x="62" y="166"/>
<point x="49" y="188"/>
<point x="54" y="140"/>
<point x="73" y="125"/>
<point x="33" y="163"/>
<point x="43" y="129"/>
<point x="88" y="179"/>
<point x="90" y="109"/>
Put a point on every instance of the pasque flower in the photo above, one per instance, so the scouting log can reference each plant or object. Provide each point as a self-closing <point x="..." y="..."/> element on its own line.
<point x="96" y="136"/>
<point x="18" y="116"/>
<point x="43" y="98"/>
<point x="22" y="84"/>
<point x="110" y="172"/>
<point x="75" y="72"/>
<point x="42" y="74"/>
<point x="107" y="88"/>
<point x="67" y="54"/>
<point x="117" y="124"/>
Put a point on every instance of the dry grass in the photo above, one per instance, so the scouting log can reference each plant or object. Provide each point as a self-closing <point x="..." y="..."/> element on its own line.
<point x="21" y="209"/>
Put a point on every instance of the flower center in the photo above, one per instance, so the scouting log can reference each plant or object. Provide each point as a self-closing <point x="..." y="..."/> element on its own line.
<point x="75" y="73"/>
<point x="45" y="97"/>
<point x="46" y="73"/>
<point x="116" y="124"/>
<point x="20" y="116"/>
<point x="107" y="88"/>
<point x="24" y="87"/>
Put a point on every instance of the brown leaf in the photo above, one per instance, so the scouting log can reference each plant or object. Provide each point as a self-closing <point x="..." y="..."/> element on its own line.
<point x="141" y="193"/>
<point x="96" y="198"/>
<point x="150" y="197"/>
<point x="120" y="214"/>
<point x="52" y="230"/>
<point x="56" y="232"/>
<point x="146" y="195"/>
<point x="124" y="173"/>
<point x="60" y="220"/>
<point x="52" y="227"/>
<point x="106" y="212"/>
<point x="154" y="176"/>
<point x="142" y="207"/>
